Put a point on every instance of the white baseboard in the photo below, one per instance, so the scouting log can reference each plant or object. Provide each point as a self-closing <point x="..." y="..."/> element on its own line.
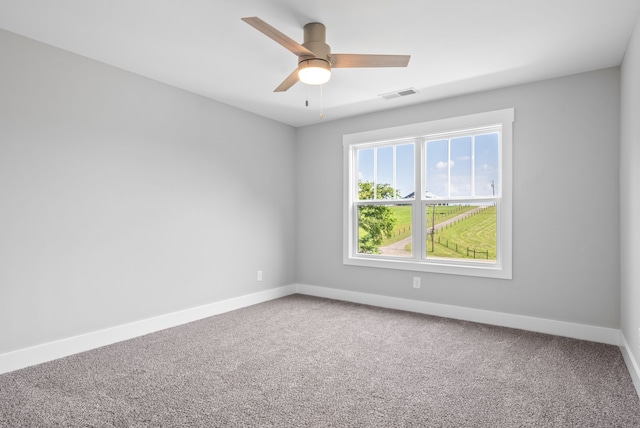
<point x="61" y="348"/>
<point x="50" y="351"/>
<point x="609" y="336"/>
<point x="632" y="364"/>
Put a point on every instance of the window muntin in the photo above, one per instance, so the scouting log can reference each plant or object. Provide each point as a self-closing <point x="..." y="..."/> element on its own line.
<point x="461" y="163"/>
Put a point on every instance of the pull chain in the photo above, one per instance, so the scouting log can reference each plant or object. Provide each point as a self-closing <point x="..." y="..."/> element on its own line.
<point x="306" y="101"/>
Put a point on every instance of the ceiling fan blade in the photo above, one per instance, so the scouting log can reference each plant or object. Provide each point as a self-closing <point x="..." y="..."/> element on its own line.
<point x="278" y="36"/>
<point x="364" y="60"/>
<point x="288" y="82"/>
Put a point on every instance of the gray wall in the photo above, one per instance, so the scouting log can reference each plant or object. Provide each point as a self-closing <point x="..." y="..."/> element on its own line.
<point x="123" y="198"/>
<point x="630" y="195"/>
<point x="565" y="204"/>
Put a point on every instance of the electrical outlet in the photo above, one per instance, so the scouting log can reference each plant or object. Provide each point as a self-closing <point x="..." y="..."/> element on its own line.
<point x="416" y="282"/>
<point x="259" y="276"/>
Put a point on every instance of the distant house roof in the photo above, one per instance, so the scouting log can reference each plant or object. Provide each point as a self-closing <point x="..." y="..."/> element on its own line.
<point x="427" y="194"/>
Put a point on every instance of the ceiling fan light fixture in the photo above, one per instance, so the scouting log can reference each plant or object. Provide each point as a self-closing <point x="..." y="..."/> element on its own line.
<point x="314" y="71"/>
<point x="315" y="59"/>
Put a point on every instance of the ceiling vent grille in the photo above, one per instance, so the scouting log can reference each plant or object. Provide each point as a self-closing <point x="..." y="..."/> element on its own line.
<point x="398" y="94"/>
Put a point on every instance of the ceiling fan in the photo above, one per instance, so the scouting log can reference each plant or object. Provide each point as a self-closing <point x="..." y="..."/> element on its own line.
<point x="315" y="59"/>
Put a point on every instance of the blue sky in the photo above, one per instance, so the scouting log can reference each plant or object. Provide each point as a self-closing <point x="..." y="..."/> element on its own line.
<point x="470" y="173"/>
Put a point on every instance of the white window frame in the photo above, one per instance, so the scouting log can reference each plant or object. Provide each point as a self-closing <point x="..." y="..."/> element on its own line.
<point x="502" y="268"/>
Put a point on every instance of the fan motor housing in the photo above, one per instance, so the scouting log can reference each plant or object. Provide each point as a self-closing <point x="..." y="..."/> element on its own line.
<point x="315" y="35"/>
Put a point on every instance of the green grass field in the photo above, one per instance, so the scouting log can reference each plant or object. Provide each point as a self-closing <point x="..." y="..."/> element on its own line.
<point x="477" y="231"/>
<point x="445" y="212"/>
<point x="402" y="228"/>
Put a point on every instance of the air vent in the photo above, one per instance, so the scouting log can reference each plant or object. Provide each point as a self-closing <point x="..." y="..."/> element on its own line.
<point x="398" y="94"/>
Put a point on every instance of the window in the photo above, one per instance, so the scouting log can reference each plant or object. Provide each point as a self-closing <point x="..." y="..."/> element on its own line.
<point x="431" y="197"/>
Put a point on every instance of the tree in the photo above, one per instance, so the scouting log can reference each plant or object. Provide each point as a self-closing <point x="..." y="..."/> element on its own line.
<point x="377" y="221"/>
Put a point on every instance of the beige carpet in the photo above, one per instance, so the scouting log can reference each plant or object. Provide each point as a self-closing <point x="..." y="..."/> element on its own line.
<point x="308" y="362"/>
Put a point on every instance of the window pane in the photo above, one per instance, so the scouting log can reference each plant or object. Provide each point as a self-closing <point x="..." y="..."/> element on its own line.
<point x="487" y="172"/>
<point x="437" y="164"/>
<point x="460" y="165"/>
<point x="405" y="166"/>
<point x="384" y="230"/>
<point x="464" y="231"/>
<point x="384" y="171"/>
<point x="365" y="169"/>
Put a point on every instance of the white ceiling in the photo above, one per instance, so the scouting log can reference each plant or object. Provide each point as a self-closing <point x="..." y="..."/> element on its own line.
<point x="456" y="46"/>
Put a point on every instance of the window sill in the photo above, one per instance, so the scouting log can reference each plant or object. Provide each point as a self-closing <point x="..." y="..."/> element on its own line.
<point x="477" y="269"/>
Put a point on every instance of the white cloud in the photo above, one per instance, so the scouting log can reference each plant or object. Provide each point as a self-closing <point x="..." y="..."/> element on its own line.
<point x="443" y="165"/>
